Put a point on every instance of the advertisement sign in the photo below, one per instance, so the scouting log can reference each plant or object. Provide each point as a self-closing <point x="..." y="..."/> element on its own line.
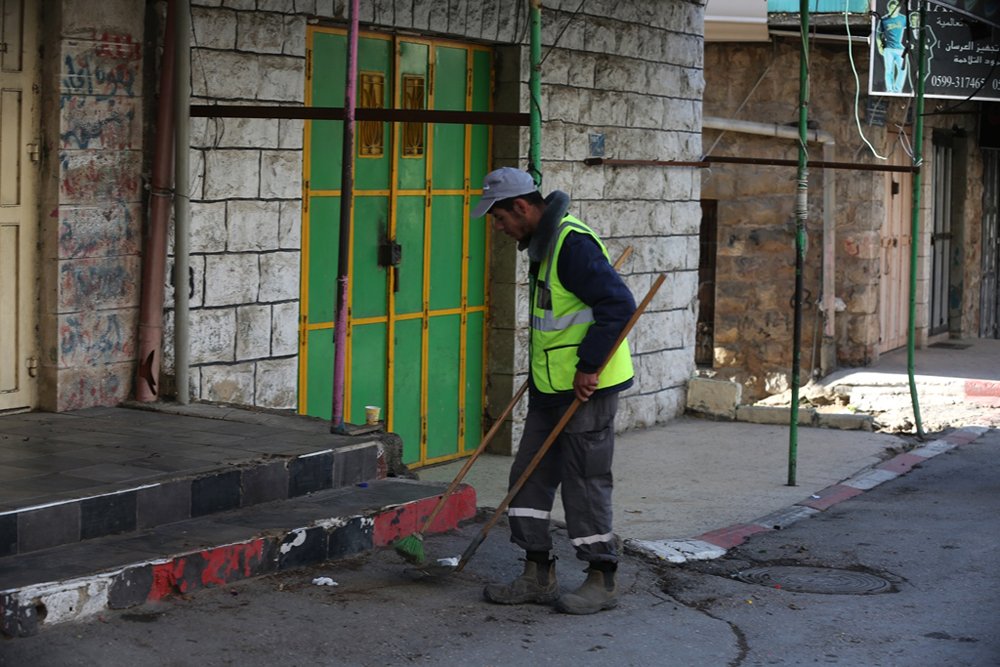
<point x="987" y="11"/>
<point x="963" y="53"/>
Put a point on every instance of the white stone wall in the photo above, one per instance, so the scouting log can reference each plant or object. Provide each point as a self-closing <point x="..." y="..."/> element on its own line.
<point x="631" y="70"/>
<point x="246" y="190"/>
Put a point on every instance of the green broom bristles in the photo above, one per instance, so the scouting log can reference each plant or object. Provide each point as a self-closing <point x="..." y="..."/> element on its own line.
<point x="411" y="548"/>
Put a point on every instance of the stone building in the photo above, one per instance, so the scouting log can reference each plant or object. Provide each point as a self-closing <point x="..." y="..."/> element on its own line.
<point x="858" y="228"/>
<point x="437" y="335"/>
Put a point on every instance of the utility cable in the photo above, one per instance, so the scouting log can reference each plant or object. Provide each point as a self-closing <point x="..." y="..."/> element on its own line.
<point x="559" y="36"/>
<point x="857" y="87"/>
<point x="743" y="103"/>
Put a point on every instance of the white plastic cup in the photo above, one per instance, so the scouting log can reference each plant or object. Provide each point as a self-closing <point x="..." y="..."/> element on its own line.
<point x="372" y="413"/>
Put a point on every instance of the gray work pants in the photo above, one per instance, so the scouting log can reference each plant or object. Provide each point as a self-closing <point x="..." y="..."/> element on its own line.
<point x="580" y="460"/>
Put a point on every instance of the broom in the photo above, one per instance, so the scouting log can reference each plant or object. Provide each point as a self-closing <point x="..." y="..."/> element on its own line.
<point x="411" y="547"/>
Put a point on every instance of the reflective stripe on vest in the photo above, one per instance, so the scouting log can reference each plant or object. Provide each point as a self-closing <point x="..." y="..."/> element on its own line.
<point x="559" y="323"/>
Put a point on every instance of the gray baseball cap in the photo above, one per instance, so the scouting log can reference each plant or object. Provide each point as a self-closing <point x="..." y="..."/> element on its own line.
<point x="503" y="183"/>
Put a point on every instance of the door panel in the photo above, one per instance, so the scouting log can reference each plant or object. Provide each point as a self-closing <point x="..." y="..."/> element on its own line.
<point x="442" y="386"/>
<point x="412" y="93"/>
<point x="410" y="235"/>
<point x="894" y="282"/>
<point x="369" y="280"/>
<point x="407" y="378"/>
<point x="446" y="244"/>
<point x="941" y="237"/>
<point x="18" y="222"/>
<point x="416" y="340"/>
<point x="367" y="368"/>
<point x="989" y="316"/>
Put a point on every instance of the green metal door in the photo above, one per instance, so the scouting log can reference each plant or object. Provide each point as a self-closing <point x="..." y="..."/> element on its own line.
<point x="416" y="333"/>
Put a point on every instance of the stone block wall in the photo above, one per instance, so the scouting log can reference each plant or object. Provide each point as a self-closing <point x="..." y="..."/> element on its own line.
<point x="756" y="211"/>
<point x="246" y="205"/>
<point x="631" y="71"/>
<point x="91" y="200"/>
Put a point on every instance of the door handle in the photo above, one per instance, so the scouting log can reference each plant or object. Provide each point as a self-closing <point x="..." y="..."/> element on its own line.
<point x="390" y="253"/>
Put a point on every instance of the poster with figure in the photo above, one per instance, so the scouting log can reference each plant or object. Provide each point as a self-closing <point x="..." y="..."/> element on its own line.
<point x="963" y="52"/>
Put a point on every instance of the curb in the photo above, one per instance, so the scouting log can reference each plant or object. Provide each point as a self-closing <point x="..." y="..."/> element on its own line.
<point x="714" y="544"/>
<point x="25" y="610"/>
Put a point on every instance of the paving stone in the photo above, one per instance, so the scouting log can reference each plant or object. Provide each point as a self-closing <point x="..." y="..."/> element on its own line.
<point x="48" y="527"/>
<point x="164" y="503"/>
<point x="265" y="482"/>
<point x="8" y="534"/>
<point x="107" y="515"/>
<point x="310" y="473"/>
<point x="215" y="493"/>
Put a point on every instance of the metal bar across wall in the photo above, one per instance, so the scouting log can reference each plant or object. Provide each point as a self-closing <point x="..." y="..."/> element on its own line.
<point x="385" y="115"/>
<point x="767" y="162"/>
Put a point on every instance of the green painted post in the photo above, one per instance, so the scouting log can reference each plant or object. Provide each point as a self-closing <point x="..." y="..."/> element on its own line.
<point x="918" y="142"/>
<point x="535" y="89"/>
<point x="801" y="213"/>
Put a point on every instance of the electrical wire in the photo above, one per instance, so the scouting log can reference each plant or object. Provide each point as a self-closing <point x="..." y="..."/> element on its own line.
<point x="559" y="36"/>
<point x="857" y="87"/>
<point x="745" y="100"/>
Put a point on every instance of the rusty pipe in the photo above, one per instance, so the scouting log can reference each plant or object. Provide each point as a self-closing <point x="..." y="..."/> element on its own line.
<point x="154" y="255"/>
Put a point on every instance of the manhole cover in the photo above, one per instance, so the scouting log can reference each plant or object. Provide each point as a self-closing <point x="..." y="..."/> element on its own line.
<point x="801" y="579"/>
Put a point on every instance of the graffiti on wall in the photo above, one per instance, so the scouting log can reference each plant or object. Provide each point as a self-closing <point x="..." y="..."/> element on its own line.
<point x="88" y="70"/>
<point x="99" y="216"/>
<point x="87" y="339"/>
<point x="89" y="122"/>
<point x="99" y="231"/>
<point x="87" y="284"/>
<point x="88" y="387"/>
<point x="89" y="177"/>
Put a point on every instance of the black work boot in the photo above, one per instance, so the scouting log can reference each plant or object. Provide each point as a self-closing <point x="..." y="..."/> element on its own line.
<point x="599" y="591"/>
<point x="536" y="584"/>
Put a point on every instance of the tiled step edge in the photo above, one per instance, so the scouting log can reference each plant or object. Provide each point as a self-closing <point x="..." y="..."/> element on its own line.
<point x="182" y="497"/>
<point x="26" y="610"/>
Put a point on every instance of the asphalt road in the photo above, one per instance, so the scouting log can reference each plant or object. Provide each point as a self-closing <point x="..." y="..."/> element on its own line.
<point x="930" y="536"/>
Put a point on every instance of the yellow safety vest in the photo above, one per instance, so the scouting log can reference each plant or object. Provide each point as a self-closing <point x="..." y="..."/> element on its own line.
<point x="559" y="322"/>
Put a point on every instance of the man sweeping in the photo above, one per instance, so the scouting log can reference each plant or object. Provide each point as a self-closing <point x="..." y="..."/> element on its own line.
<point x="579" y="306"/>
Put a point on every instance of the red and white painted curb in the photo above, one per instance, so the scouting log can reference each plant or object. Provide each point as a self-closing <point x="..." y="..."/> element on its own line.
<point x="26" y="609"/>
<point x="714" y="544"/>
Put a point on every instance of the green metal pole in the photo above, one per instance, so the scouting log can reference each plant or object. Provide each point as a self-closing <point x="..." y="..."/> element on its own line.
<point x="801" y="214"/>
<point x="535" y="89"/>
<point x="918" y="142"/>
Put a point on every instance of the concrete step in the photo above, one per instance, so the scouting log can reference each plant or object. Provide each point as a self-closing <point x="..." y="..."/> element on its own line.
<point x="81" y="476"/>
<point x="73" y="581"/>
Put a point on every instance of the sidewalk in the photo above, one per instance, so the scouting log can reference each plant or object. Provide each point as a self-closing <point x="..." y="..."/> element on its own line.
<point x="701" y="486"/>
<point x="692" y="476"/>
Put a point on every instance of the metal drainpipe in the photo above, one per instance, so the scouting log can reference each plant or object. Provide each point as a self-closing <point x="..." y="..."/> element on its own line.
<point x="182" y="201"/>
<point x="828" y="356"/>
<point x="346" y="201"/>
<point x="535" y="89"/>
<point x="154" y="260"/>
<point x="918" y="146"/>
<point x="801" y="215"/>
